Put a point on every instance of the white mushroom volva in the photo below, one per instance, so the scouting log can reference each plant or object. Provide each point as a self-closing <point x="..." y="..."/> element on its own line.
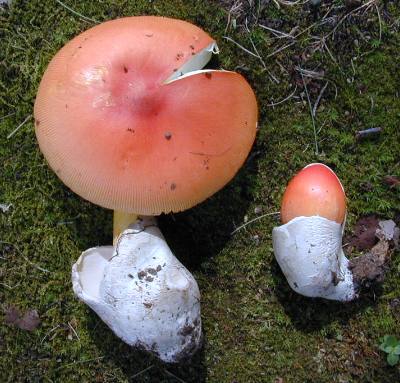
<point x="308" y="247"/>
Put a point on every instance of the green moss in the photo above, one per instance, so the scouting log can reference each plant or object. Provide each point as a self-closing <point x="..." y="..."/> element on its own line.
<point x="256" y="328"/>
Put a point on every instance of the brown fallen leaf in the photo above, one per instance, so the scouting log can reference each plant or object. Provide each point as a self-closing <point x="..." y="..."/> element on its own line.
<point x="370" y="267"/>
<point x="29" y="321"/>
<point x="364" y="233"/>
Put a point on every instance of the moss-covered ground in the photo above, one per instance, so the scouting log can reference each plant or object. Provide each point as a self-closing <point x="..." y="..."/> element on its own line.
<point x="256" y="329"/>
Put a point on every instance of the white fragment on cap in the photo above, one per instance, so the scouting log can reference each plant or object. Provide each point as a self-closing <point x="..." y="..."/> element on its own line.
<point x="197" y="62"/>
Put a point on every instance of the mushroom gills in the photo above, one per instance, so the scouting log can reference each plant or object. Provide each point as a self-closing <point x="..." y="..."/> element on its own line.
<point x="142" y="292"/>
<point x="309" y="252"/>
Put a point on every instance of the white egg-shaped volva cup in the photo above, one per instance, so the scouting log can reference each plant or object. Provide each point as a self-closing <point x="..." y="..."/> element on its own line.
<point x="309" y="252"/>
<point x="142" y="292"/>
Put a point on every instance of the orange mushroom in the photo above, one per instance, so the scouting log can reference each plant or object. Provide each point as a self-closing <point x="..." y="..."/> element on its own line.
<point x="122" y="127"/>
<point x="308" y="246"/>
<point x="314" y="191"/>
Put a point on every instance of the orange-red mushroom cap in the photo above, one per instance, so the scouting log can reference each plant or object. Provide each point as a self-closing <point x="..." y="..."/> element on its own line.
<point x="120" y="135"/>
<point x="315" y="190"/>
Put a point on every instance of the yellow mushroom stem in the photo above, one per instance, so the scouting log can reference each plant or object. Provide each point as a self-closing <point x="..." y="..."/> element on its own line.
<point x="121" y="221"/>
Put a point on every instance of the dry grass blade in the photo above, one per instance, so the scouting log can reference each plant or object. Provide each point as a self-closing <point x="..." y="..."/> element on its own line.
<point x="280" y="50"/>
<point x="19" y="127"/>
<point x="253" y="220"/>
<point x="278" y="34"/>
<point x="284" y="100"/>
<point x="311" y="112"/>
<point x="73" y="330"/>
<point x="380" y="22"/>
<point x="6" y="116"/>
<point x="77" y="13"/>
<point x="142" y="372"/>
<point x="174" y="376"/>
<point x="333" y="31"/>
<point x="314" y="111"/>
<point x="241" y="47"/>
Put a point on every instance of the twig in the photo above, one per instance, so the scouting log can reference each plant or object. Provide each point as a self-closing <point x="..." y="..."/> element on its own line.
<point x="52" y="330"/>
<point x="73" y="330"/>
<point x="19" y="127"/>
<point x="311" y="112"/>
<point x="367" y="132"/>
<point x="285" y="99"/>
<point x="241" y="47"/>
<point x="76" y="13"/>
<point x="314" y="111"/>
<point x="253" y="220"/>
<point x="174" y="376"/>
<point x="141" y="372"/>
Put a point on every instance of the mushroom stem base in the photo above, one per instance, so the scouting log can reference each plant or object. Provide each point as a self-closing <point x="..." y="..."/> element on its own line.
<point x="142" y="292"/>
<point x="309" y="252"/>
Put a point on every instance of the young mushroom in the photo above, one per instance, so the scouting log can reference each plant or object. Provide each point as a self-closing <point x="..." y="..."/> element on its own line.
<point x="127" y="119"/>
<point x="308" y="246"/>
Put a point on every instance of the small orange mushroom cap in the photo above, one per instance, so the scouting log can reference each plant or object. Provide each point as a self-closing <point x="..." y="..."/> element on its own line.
<point x="120" y="136"/>
<point x="315" y="190"/>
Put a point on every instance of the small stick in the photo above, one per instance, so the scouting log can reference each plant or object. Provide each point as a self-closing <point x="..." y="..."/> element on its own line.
<point x="53" y="329"/>
<point x="367" y="132"/>
<point x="253" y="220"/>
<point x="19" y="127"/>
<point x="73" y="330"/>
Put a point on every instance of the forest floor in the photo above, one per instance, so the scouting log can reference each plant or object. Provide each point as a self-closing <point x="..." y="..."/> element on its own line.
<point x="343" y="55"/>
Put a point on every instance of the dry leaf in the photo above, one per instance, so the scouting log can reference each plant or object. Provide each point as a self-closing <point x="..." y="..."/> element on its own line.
<point x="29" y="321"/>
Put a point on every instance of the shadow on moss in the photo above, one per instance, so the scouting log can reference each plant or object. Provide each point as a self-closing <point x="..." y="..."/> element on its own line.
<point x="141" y="366"/>
<point x="313" y="314"/>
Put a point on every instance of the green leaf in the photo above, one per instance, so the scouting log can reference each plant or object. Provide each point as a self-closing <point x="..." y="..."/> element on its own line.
<point x="392" y="359"/>
<point x="388" y="349"/>
<point x="390" y="340"/>
<point x="397" y="350"/>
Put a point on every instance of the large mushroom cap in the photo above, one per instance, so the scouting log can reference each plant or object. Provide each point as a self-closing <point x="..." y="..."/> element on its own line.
<point x="120" y="133"/>
<point x="314" y="191"/>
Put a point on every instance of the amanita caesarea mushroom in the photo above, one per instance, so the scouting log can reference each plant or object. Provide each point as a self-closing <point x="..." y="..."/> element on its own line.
<point x="308" y="246"/>
<point x="128" y="119"/>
